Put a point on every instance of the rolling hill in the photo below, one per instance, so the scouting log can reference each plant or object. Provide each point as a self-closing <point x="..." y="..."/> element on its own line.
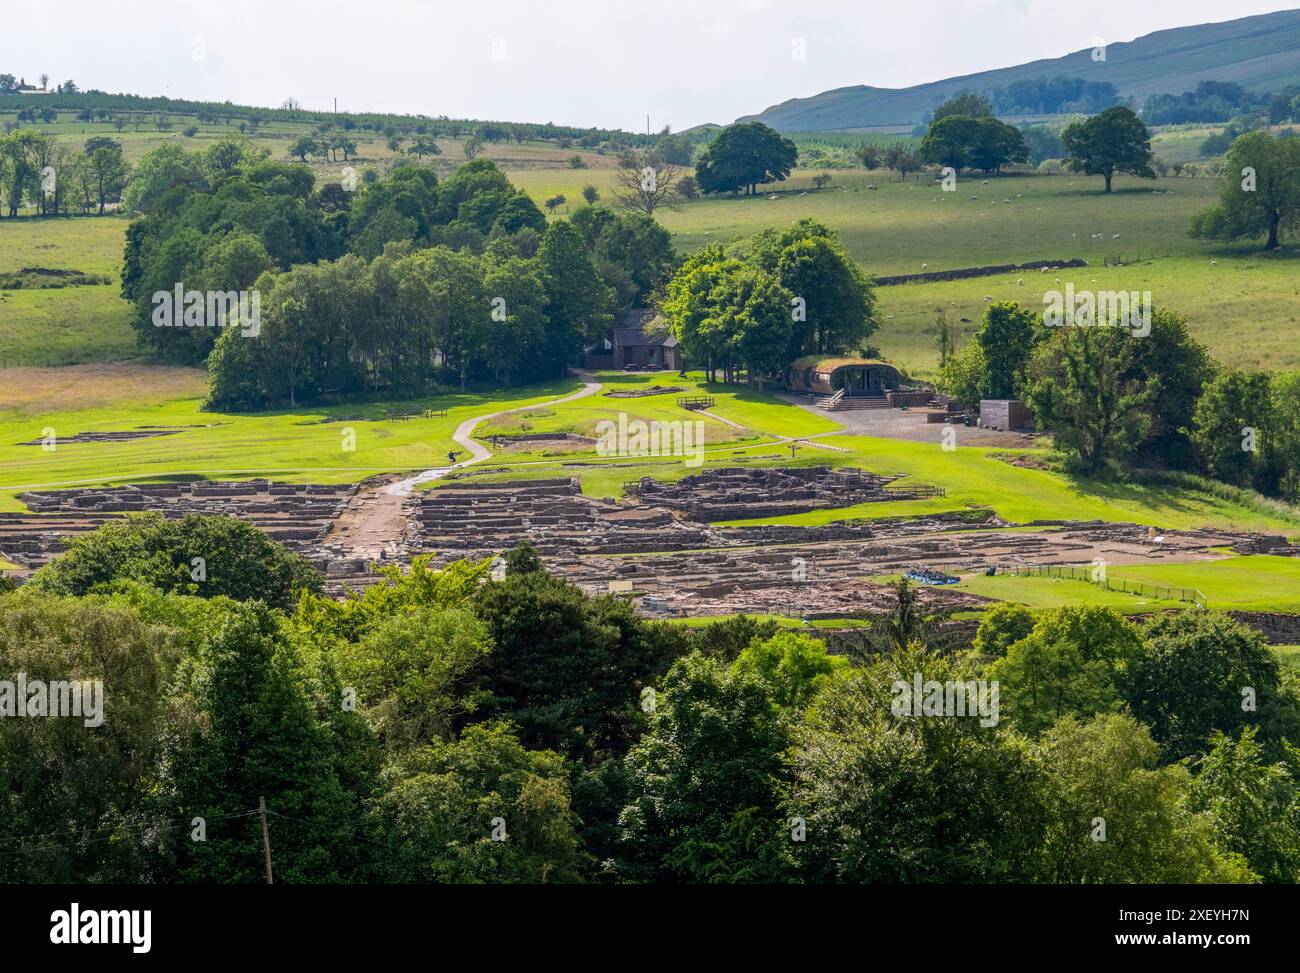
<point x="1260" y="53"/>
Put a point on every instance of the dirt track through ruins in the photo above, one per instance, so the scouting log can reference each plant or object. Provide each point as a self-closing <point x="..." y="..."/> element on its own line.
<point x="373" y="522"/>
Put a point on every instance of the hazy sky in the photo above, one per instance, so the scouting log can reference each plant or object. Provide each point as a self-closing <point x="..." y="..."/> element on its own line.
<point x="579" y="62"/>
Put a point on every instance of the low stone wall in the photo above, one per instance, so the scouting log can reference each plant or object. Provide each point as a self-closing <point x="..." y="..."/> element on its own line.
<point x="990" y="271"/>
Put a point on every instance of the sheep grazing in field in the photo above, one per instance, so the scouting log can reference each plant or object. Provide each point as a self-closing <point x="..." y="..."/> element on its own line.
<point x="987" y="298"/>
<point x="1214" y="263"/>
<point x="1020" y="282"/>
<point x="1115" y="237"/>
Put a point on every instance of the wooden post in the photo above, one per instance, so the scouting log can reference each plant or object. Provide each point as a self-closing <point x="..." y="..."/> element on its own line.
<point x="266" y="839"/>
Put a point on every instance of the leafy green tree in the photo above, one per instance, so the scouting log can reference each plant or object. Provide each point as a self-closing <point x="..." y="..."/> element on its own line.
<point x="567" y="669"/>
<point x="577" y="299"/>
<point x="1068" y="665"/>
<point x="1202" y="672"/>
<point x="480" y="809"/>
<point x="793" y="665"/>
<point x="158" y="171"/>
<point x="1113" y="141"/>
<point x="1231" y="425"/>
<point x="1002" y="626"/>
<point x="702" y="805"/>
<point x="1117" y="816"/>
<point x="910" y="798"/>
<point x="1007" y="337"/>
<point x="964" y="373"/>
<point x="72" y="795"/>
<point x="1285" y="433"/>
<point x="413" y="673"/>
<point x="1254" y="805"/>
<point x="197" y="554"/>
<point x="1177" y="366"/>
<point x="1079" y="385"/>
<point x="965" y="142"/>
<point x="968" y="103"/>
<point x="744" y="156"/>
<point x="251" y="727"/>
<point x="108" y="171"/>
<point x="838" y="305"/>
<point x="1261" y="192"/>
<point x="303" y="146"/>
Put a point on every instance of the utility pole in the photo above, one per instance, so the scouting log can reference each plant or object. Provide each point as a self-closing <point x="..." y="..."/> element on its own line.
<point x="266" y="839"/>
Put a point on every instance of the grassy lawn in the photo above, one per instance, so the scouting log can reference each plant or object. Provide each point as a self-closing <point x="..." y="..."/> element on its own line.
<point x="761" y="413"/>
<point x="1041" y="594"/>
<point x="293" y="446"/>
<point x="1258" y="582"/>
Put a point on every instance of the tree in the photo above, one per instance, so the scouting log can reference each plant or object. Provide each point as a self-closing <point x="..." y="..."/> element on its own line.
<point x="1069" y="664"/>
<point x="577" y="299"/>
<point x="1114" y="141"/>
<point x="303" y="146"/>
<point x="565" y="668"/>
<point x="1254" y="805"/>
<point x="743" y="156"/>
<point x="1261" y="192"/>
<point x="1007" y="337"/>
<point x="1002" y="626"/>
<point x="963" y="142"/>
<point x="108" y="171"/>
<point x="472" y="146"/>
<point x="1079" y="386"/>
<point x="645" y="183"/>
<point x="436" y="809"/>
<point x="703" y="771"/>
<point x="423" y="145"/>
<point x="412" y="673"/>
<point x="967" y="103"/>
<point x="197" y="554"/>
<point x="591" y="194"/>
<point x="889" y="796"/>
<point x="1177" y="366"/>
<point x="555" y="202"/>
<point x="1230" y="427"/>
<point x="1116" y="816"/>
<point x="72" y="795"/>
<point x="1198" y="673"/>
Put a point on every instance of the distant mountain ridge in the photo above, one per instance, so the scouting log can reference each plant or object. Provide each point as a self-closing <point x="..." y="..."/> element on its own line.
<point x="1259" y="53"/>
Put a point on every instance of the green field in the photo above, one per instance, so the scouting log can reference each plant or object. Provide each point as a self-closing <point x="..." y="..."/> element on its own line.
<point x="66" y="324"/>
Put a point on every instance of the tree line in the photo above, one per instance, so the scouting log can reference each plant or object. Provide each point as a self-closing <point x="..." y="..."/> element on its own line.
<point x="55" y="179"/>
<point x="473" y="282"/>
<point x="455" y="726"/>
